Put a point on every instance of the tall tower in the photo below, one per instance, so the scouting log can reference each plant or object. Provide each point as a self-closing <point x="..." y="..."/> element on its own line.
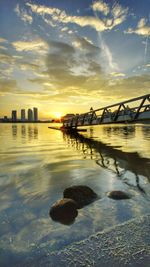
<point x="30" y="115"/>
<point x="35" y="114"/>
<point x="14" y="115"/>
<point x="23" y="115"/>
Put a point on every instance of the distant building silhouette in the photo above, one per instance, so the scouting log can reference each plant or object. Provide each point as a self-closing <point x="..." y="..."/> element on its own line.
<point x="14" y="115"/>
<point x="5" y="119"/>
<point x="35" y="114"/>
<point x="23" y="115"/>
<point x="30" y="115"/>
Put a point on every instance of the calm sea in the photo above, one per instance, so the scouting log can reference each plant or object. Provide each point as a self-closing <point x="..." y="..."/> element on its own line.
<point x="37" y="164"/>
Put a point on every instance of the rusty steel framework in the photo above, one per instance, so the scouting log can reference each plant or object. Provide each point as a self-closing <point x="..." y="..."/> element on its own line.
<point x="129" y="111"/>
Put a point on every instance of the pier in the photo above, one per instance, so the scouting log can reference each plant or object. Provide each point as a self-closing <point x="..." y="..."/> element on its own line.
<point x="129" y="111"/>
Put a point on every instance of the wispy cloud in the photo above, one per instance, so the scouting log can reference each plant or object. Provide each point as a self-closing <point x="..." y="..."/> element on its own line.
<point x="74" y="72"/>
<point x="49" y="22"/>
<point x="37" y="45"/>
<point x="71" y="74"/>
<point x="118" y="11"/>
<point x="112" y="16"/>
<point x="28" y="66"/>
<point x="110" y="64"/>
<point x="3" y="47"/>
<point x="58" y="15"/>
<point x="141" y="29"/>
<point x="3" y="40"/>
<point x="7" y="85"/>
<point x="6" y="64"/>
<point x="23" y="15"/>
<point x="6" y="58"/>
<point x="117" y="74"/>
<point x="116" y="16"/>
<point x="101" y="7"/>
<point x="84" y="44"/>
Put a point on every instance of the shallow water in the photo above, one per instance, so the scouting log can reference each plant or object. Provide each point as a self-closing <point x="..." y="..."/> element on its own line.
<point x="37" y="164"/>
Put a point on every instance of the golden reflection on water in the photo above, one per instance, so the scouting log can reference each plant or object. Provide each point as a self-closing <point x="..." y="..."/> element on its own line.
<point x="129" y="138"/>
<point x="37" y="164"/>
<point x="25" y="132"/>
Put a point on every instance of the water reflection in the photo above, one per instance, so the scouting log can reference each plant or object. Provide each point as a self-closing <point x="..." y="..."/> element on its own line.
<point x="32" y="132"/>
<point x="106" y="156"/>
<point x="127" y="131"/>
<point x="38" y="166"/>
<point x="29" y="132"/>
<point x="146" y="132"/>
<point x="14" y="131"/>
<point x="23" y="131"/>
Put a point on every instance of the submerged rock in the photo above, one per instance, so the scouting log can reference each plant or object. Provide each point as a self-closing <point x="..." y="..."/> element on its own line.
<point x="118" y="195"/>
<point x="64" y="211"/>
<point x="82" y="195"/>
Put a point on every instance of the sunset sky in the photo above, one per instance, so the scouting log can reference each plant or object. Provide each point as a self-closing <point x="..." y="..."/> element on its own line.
<point x="68" y="55"/>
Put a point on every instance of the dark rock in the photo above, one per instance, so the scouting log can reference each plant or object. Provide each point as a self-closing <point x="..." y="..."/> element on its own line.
<point x="82" y="195"/>
<point x="118" y="195"/>
<point x="64" y="211"/>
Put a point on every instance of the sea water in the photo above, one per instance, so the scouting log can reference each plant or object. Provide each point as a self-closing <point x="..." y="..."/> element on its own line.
<point x="38" y="163"/>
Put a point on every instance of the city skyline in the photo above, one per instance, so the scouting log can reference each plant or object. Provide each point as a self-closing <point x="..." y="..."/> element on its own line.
<point x="64" y="56"/>
<point x="25" y="115"/>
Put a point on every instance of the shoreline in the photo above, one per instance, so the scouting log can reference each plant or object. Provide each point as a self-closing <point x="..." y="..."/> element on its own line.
<point x="127" y="244"/>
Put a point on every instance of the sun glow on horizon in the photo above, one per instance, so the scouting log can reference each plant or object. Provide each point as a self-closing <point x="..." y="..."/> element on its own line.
<point x="72" y="57"/>
<point x="57" y="115"/>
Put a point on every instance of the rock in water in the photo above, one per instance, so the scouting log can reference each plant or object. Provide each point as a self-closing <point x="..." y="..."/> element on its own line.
<point x="118" y="195"/>
<point x="82" y="195"/>
<point x="64" y="211"/>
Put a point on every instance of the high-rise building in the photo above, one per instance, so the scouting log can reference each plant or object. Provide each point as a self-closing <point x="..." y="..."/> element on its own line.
<point x="14" y="115"/>
<point x="35" y="114"/>
<point x="23" y="115"/>
<point x="30" y="115"/>
<point x="5" y="118"/>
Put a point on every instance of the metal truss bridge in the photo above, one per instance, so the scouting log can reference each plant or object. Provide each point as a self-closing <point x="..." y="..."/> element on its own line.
<point x="129" y="111"/>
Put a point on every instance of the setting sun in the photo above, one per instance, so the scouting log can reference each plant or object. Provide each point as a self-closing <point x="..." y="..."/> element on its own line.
<point x="57" y="115"/>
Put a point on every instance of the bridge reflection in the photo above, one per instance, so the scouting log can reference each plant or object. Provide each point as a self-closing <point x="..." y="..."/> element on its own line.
<point x="128" y="166"/>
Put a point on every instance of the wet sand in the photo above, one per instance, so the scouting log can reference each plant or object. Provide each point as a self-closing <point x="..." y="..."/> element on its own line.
<point x="127" y="244"/>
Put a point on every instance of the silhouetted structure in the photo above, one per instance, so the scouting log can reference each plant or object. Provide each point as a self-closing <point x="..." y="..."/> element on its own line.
<point x="35" y="114"/>
<point x="30" y="115"/>
<point x="23" y="115"/>
<point x="5" y="119"/>
<point x="14" y="115"/>
<point x="132" y="110"/>
<point x="67" y="117"/>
